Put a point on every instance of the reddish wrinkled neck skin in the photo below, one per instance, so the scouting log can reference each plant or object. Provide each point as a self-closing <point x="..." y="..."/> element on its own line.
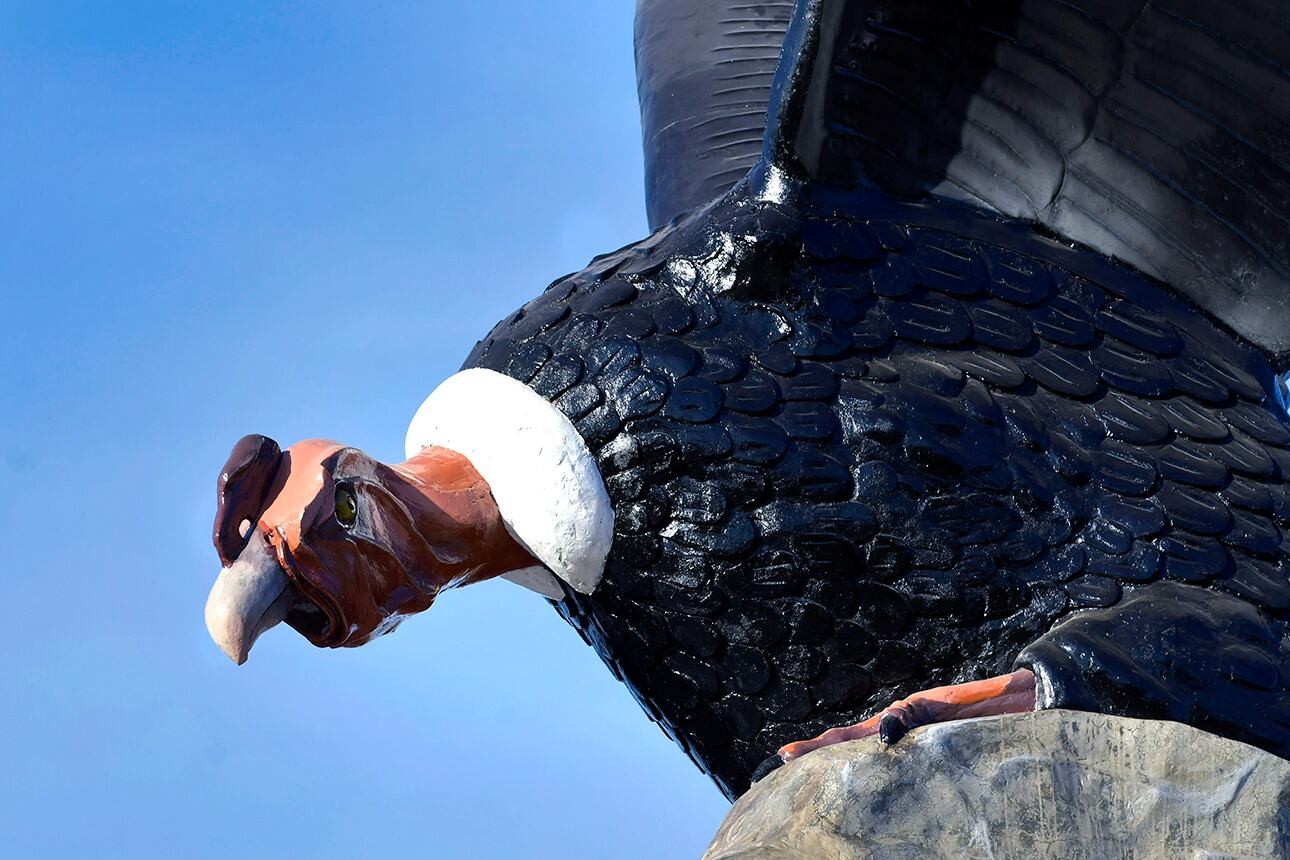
<point x="425" y="524"/>
<point x="454" y="511"/>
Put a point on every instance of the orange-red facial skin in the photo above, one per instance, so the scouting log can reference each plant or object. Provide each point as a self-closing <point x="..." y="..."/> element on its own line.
<point x="423" y="525"/>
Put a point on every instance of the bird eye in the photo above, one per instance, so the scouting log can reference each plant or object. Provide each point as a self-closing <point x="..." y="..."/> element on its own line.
<point x="346" y="506"/>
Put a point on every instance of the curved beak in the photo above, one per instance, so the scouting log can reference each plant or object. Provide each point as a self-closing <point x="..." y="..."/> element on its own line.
<point x="251" y="595"/>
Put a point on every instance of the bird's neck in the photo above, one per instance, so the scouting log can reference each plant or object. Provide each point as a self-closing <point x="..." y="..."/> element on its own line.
<point x="453" y="511"/>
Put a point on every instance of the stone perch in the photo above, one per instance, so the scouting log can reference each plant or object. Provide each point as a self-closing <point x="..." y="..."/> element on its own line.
<point x="1059" y="784"/>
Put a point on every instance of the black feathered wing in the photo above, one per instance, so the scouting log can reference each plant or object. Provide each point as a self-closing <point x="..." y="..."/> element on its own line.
<point x="704" y="72"/>
<point x="1155" y="133"/>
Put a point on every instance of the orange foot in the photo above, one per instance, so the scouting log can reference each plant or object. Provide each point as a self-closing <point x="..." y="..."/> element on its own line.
<point x="1005" y="694"/>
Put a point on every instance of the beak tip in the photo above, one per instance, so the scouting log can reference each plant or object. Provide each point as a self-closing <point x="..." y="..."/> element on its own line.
<point x="249" y="596"/>
<point x="236" y="615"/>
<point x="224" y="631"/>
<point x="238" y="659"/>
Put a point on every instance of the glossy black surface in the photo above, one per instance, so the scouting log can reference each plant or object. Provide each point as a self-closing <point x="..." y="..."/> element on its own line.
<point x="1150" y="131"/>
<point x="863" y="440"/>
<point x="704" y="72"/>
<point x="859" y="448"/>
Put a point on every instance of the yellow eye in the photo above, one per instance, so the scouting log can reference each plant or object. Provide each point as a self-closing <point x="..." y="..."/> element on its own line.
<point x="346" y="506"/>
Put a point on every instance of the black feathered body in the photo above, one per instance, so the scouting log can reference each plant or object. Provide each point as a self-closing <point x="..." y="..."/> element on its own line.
<point x="859" y="448"/>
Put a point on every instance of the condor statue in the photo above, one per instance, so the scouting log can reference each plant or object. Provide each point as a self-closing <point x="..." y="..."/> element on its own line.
<point x="946" y="385"/>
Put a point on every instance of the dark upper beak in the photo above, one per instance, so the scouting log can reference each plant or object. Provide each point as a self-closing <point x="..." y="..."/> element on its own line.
<point x="251" y="595"/>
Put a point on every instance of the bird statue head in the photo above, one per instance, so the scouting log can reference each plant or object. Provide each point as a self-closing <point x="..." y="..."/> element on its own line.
<point x="343" y="547"/>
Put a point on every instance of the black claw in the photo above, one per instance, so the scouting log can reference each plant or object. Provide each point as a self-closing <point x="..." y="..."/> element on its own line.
<point x="891" y="729"/>
<point x="769" y="764"/>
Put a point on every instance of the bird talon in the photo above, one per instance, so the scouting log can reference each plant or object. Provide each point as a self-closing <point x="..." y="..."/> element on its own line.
<point x="1004" y="694"/>
<point x="769" y="765"/>
<point x="891" y="728"/>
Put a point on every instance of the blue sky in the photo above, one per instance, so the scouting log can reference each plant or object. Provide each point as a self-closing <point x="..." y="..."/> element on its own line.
<point x="292" y="219"/>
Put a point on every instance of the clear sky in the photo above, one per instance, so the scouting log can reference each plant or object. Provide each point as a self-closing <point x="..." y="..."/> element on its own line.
<point x="293" y="219"/>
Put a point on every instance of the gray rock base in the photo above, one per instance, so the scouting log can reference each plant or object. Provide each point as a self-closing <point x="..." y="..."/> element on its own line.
<point x="1057" y="784"/>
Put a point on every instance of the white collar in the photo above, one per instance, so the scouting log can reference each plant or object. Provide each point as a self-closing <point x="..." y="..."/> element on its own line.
<point x="544" y="480"/>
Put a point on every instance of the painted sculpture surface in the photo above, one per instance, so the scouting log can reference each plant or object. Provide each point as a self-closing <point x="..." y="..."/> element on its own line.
<point x="962" y="398"/>
<point x="1051" y="785"/>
